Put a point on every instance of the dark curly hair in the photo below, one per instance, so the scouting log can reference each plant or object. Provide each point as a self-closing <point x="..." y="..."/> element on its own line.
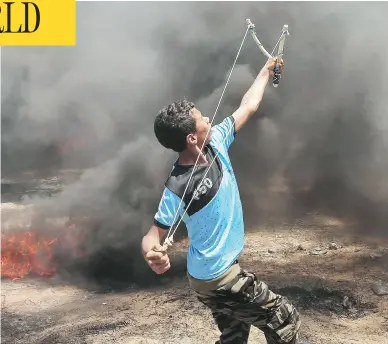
<point x="173" y="123"/>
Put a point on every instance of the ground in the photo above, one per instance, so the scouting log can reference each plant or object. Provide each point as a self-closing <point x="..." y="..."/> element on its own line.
<point x="333" y="292"/>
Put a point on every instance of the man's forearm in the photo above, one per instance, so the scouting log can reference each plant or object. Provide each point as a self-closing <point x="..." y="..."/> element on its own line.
<point x="251" y="100"/>
<point x="152" y="239"/>
<point x="254" y="95"/>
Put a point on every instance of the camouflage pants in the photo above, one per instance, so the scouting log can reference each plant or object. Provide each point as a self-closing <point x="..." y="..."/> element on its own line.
<point x="246" y="301"/>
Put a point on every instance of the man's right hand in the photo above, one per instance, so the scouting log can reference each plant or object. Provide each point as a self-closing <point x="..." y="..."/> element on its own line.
<point x="158" y="259"/>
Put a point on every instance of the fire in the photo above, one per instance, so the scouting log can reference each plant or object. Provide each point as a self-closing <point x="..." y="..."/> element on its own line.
<point x="26" y="253"/>
<point x="32" y="253"/>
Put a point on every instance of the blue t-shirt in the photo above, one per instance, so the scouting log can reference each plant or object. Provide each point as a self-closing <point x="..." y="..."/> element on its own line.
<point x="214" y="219"/>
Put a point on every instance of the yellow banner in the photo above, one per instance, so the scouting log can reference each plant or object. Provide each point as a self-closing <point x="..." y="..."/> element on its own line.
<point x="38" y="22"/>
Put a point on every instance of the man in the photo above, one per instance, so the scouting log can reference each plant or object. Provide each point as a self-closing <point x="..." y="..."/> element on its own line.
<point x="214" y="221"/>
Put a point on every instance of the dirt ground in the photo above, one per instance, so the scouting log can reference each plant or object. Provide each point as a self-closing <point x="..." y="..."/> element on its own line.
<point x="333" y="292"/>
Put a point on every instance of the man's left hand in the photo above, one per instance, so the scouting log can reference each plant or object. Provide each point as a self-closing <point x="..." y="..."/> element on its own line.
<point x="270" y="65"/>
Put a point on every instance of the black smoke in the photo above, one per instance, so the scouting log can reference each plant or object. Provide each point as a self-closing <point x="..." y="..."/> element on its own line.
<point x="322" y="134"/>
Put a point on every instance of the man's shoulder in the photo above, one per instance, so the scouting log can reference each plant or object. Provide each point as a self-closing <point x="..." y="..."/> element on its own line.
<point x="221" y="151"/>
<point x="223" y="134"/>
<point x="226" y="126"/>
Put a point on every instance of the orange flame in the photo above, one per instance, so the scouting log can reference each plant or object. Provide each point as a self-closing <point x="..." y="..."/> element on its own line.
<point x="32" y="253"/>
<point x="26" y="253"/>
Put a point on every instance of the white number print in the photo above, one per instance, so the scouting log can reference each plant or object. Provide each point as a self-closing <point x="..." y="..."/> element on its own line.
<point x="202" y="188"/>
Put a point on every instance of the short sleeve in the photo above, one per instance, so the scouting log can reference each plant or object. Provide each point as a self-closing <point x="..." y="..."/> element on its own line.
<point x="224" y="133"/>
<point x="168" y="206"/>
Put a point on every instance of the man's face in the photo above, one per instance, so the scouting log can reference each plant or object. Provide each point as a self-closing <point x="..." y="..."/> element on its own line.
<point x="202" y="125"/>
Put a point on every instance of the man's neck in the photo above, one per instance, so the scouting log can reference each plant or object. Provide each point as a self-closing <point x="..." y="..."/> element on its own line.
<point x="188" y="157"/>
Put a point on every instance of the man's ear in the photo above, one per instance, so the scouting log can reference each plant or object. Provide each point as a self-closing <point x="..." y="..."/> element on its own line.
<point x="191" y="139"/>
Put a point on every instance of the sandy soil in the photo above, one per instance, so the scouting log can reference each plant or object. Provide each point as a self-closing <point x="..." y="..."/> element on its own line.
<point x="332" y="291"/>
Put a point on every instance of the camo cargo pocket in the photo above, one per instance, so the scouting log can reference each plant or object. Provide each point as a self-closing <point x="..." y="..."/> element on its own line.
<point x="285" y="321"/>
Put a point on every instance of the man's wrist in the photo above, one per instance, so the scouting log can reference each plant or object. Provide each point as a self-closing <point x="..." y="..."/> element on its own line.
<point x="146" y="245"/>
<point x="265" y="73"/>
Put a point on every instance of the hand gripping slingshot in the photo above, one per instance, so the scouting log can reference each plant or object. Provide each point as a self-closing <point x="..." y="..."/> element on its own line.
<point x="275" y="82"/>
<point x="277" y="73"/>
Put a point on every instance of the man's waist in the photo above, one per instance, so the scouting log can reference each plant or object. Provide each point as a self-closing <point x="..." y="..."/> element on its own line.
<point x="214" y="283"/>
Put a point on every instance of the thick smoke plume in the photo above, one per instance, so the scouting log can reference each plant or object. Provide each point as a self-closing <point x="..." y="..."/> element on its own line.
<point x="321" y="139"/>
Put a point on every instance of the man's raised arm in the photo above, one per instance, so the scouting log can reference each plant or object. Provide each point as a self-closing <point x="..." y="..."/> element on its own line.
<point x="252" y="99"/>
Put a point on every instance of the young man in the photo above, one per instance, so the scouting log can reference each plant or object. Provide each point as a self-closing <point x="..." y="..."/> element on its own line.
<point x="214" y="221"/>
